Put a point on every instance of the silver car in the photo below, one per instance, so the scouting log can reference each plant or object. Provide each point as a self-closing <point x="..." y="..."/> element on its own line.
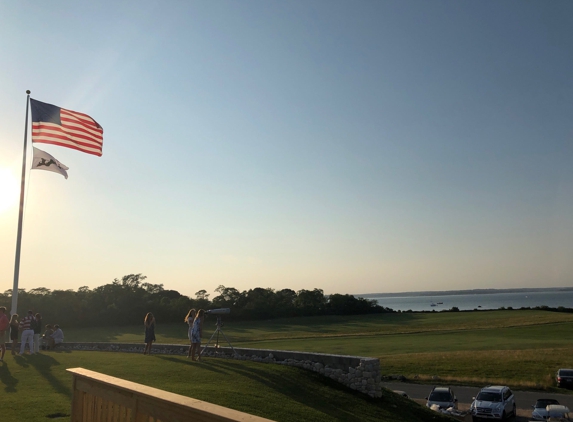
<point x="493" y="402"/>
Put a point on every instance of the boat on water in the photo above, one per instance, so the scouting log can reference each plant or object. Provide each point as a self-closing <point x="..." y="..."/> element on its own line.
<point x="433" y="304"/>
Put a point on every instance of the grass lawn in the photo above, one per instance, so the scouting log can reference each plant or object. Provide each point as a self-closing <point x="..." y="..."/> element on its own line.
<point x="459" y="347"/>
<point x="532" y="369"/>
<point x="519" y="348"/>
<point x="37" y="388"/>
<point x="332" y="326"/>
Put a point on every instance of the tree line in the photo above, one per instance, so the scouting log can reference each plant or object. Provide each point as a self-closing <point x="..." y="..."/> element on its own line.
<point x="125" y="301"/>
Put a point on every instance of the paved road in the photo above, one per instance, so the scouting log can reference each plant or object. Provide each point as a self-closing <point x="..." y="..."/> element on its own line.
<point x="523" y="399"/>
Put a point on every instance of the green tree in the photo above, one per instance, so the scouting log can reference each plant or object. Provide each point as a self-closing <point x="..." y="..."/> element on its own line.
<point x="310" y="302"/>
<point x="259" y="303"/>
<point x="229" y="297"/>
<point x="202" y="300"/>
<point x="349" y="305"/>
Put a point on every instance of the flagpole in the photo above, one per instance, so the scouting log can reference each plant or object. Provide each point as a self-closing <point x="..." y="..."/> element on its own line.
<point x="14" y="309"/>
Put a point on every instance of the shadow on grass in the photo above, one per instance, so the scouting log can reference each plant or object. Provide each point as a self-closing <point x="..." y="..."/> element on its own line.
<point x="7" y="378"/>
<point x="20" y="361"/>
<point x="43" y="364"/>
<point x="56" y="350"/>
<point x="189" y="362"/>
<point x="294" y="386"/>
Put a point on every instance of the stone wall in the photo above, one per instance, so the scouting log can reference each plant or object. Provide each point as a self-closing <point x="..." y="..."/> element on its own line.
<point x="358" y="373"/>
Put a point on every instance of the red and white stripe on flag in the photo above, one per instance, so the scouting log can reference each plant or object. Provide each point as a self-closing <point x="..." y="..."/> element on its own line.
<point x="77" y="131"/>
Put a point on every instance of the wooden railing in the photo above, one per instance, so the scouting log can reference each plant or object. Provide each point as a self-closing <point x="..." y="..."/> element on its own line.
<point x="101" y="398"/>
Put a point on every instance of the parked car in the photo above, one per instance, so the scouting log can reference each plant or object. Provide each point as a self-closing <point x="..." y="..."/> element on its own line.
<point x="493" y="402"/>
<point x="401" y="393"/>
<point x="442" y="397"/>
<point x="564" y="378"/>
<point x="540" y="409"/>
<point x="558" y="412"/>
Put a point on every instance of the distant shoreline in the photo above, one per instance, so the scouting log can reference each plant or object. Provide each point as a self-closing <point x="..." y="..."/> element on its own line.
<point x="466" y="292"/>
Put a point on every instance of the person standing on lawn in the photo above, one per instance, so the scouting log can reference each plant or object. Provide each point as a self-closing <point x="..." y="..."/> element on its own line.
<point x="149" y="323"/>
<point x="196" y="334"/>
<point x="37" y="327"/>
<point x="4" y="324"/>
<point x="14" y="327"/>
<point x="189" y="320"/>
<point x="27" y="333"/>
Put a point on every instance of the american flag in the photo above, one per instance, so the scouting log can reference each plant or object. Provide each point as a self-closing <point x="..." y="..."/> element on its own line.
<point x="66" y="128"/>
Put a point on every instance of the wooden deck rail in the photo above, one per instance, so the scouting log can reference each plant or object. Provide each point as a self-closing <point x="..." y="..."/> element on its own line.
<point x="101" y="398"/>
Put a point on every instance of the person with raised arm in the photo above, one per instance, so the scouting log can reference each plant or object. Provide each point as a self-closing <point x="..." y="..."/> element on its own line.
<point x="149" y="323"/>
<point x="196" y="334"/>
<point x="189" y="320"/>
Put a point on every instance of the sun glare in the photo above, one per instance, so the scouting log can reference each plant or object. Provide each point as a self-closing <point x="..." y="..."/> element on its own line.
<point x="8" y="190"/>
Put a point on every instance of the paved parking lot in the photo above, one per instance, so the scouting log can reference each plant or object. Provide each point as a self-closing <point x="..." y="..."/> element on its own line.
<point x="523" y="399"/>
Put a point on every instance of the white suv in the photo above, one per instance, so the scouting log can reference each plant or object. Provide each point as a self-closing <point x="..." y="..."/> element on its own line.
<point x="493" y="402"/>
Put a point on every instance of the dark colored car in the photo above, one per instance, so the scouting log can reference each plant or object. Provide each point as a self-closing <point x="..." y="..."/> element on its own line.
<point x="564" y="378"/>
<point x="442" y="397"/>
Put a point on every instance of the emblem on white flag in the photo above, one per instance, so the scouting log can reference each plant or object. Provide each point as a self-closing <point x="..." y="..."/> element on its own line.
<point x="44" y="161"/>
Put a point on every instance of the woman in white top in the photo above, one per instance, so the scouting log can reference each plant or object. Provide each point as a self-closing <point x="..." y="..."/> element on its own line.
<point x="189" y="320"/>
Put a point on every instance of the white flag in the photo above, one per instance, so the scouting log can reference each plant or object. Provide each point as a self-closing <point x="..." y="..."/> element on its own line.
<point x="44" y="161"/>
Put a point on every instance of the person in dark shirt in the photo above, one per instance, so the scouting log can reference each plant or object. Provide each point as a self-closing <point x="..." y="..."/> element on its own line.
<point x="4" y="324"/>
<point x="149" y="323"/>
<point x="14" y="327"/>
<point x="37" y="327"/>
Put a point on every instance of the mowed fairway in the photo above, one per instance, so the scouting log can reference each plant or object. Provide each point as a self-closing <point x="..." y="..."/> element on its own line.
<point x="37" y="388"/>
<point x="460" y="347"/>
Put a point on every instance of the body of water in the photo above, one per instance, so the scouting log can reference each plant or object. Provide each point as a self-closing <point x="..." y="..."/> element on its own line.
<point x="464" y="302"/>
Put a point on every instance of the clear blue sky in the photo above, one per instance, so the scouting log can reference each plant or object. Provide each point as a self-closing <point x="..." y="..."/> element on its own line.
<point x="352" y="146"/>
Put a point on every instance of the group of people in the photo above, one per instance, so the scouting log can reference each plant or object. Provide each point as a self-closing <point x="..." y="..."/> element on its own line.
<point x="195" y="321"/>
<point x="30" y="330"/>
